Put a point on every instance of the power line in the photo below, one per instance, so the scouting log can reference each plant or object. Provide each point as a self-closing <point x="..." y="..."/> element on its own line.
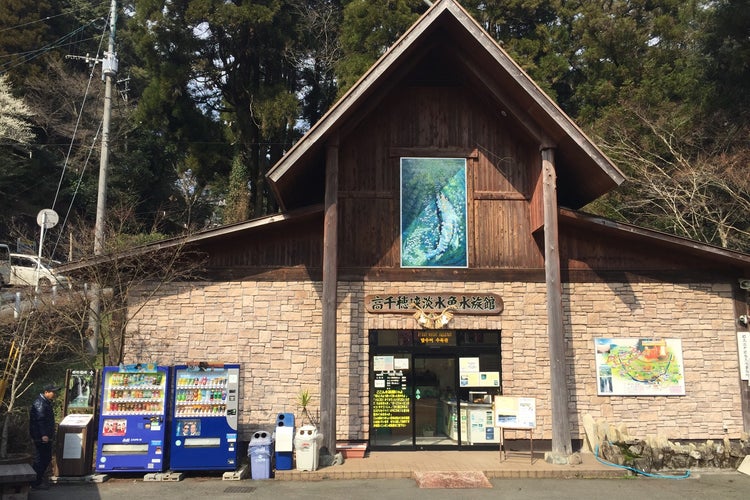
<point x="66" y="13"/>
<point x="33" y="54"/>
<point x="75" y="42"/>
<point x="78" y="122"/>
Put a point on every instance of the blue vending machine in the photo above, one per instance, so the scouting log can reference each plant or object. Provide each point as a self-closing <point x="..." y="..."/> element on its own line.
<point x="132" y="423"/>
<point x="203" y="434"/>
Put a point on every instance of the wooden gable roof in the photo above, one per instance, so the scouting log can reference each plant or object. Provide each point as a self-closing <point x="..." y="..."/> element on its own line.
<point x="584" y="172"/>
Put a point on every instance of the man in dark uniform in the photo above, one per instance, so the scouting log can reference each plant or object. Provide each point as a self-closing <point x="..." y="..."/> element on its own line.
<point x="42" y="430"/>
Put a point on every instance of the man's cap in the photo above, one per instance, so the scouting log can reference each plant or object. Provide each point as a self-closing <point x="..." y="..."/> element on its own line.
<point x="51" y="388"/>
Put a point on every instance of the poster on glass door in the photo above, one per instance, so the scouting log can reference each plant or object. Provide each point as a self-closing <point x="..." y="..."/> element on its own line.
<point x="471" y="376"/>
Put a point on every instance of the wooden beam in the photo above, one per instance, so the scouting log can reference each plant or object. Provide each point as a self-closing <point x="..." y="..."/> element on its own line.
<point x="328" y="334"/>
<point x="561" y="440"/>
<point x="740" y="309"/>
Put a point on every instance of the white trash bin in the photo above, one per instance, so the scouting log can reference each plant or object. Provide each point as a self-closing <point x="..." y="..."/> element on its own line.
<point x="306" y="447"/>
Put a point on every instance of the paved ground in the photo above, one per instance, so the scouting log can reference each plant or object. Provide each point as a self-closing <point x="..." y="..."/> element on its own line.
<point x="398" y="475"/>
<point x="724" y="486"/>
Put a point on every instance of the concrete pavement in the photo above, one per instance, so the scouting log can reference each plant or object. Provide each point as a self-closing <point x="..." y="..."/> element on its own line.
<point x="399" y="475"/>
<point x="725" y="486"/>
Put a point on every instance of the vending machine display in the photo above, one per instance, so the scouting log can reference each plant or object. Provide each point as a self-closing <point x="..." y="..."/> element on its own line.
<point x="203" y="435"/>
<point x="132" y="423"/>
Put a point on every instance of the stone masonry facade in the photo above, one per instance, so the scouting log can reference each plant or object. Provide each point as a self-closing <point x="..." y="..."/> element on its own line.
<point x="273" y="330"/>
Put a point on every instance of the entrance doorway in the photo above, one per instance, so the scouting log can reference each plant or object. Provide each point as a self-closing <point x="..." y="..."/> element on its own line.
<point x="434" y="382"/>
<point x="433" y="389"/>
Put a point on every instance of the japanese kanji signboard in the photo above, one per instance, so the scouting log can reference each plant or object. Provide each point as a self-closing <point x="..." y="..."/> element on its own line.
<point x="460" y="303"/>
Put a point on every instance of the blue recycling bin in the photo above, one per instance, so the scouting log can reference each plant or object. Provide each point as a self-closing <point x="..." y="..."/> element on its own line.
<point x="260" y="455"/>
<point x="284" y="441"/>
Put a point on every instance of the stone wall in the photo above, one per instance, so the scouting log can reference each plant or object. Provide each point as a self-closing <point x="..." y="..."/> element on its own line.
<point x="273" y="330"/>
<point x="663" y="455"/>
<point x="614" y="444"/>
<point x="702" y="316"/>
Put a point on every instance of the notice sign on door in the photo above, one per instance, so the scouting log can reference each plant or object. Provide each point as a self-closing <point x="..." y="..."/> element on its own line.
<point x="390" y="409"/>
<point x="390" y="402"/>
<point x="470" y="376"/>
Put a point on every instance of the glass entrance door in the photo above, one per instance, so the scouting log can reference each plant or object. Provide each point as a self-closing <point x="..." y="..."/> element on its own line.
<point x="434" y="389"/>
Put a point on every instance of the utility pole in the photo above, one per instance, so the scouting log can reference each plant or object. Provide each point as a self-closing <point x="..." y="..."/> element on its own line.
<point x="109" y="72"/>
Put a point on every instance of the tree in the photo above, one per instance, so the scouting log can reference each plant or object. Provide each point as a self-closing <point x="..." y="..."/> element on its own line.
<point x="676" y="183"/>
<point x="16" y="135"/>
<point x="238" y="197"/>
<point x="60" y="168"/>
<point x="23" y="38"/>
<point x="369" y="28"/>
<point x="133" y="267"/>
<point x="317" y="55"/>
<point x="14" y="116"/>
<point x="42" y="337"/>
<point x="728" y="51"/>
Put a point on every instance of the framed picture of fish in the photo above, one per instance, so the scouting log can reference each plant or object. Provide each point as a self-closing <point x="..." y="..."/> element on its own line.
<point x="433" y="212"/>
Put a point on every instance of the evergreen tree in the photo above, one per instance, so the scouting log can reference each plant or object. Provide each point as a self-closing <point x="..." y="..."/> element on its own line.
<point x="24" y="36"/>
<point x="237" y="207"/>
<point x="727" y="46"/>
<point x="369" y="28"/>
<point x="246" y="76"/>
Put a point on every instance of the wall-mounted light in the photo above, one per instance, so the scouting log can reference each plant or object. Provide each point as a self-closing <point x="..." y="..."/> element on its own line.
<point x="433" y="320"/>
<point x="743" y="320"/>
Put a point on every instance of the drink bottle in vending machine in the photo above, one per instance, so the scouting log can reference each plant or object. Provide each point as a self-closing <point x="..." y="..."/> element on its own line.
<point x="132" y="422"/>
<point x="203" y="435"/>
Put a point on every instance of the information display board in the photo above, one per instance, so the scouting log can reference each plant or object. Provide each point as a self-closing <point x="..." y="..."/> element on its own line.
<point x="514" y="412"/>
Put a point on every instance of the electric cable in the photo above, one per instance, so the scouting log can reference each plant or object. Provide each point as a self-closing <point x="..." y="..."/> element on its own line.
<point x="67" y="12"/>
<point x="70" y="148"/>
<point x="33" y="54"/>
<point x="78" y="185"/>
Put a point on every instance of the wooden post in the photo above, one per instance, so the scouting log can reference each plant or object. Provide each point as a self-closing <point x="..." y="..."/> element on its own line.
<point x="330" y="277"/>
<point x="741" y="308"/>
<point x="561" y="441"/>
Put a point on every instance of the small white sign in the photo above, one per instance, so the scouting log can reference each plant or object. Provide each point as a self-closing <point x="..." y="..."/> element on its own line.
<point x="401" y="363"/>
<point x="76" y="420"/>
<point x="382" y="363"/>
<point x="743" y="348"/>
<point x="468" y="365"/>
<point x="73" y="446"/>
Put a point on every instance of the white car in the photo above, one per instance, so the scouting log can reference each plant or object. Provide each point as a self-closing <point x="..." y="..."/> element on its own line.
<point x="25" y="270"/>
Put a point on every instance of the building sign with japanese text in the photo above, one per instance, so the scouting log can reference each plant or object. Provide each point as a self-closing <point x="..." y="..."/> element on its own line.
<point x="459" y="303"/>
<point x="436" y="337"/>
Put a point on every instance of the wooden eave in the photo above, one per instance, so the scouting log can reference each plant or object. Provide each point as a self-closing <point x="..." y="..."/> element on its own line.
<point x="275" y="221"/>
<point x="584" y="172"/>
<point x="729" y="259"/>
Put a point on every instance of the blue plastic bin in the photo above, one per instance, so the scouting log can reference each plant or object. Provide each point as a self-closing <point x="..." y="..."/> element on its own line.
<point x="260" y="454"/>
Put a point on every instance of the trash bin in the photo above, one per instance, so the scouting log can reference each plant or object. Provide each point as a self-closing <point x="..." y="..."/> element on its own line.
<point x="260" y="454"/>
<point x="284" y="441"/>
<point x="306" y="445"/>
<point x="75" y="445"/>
